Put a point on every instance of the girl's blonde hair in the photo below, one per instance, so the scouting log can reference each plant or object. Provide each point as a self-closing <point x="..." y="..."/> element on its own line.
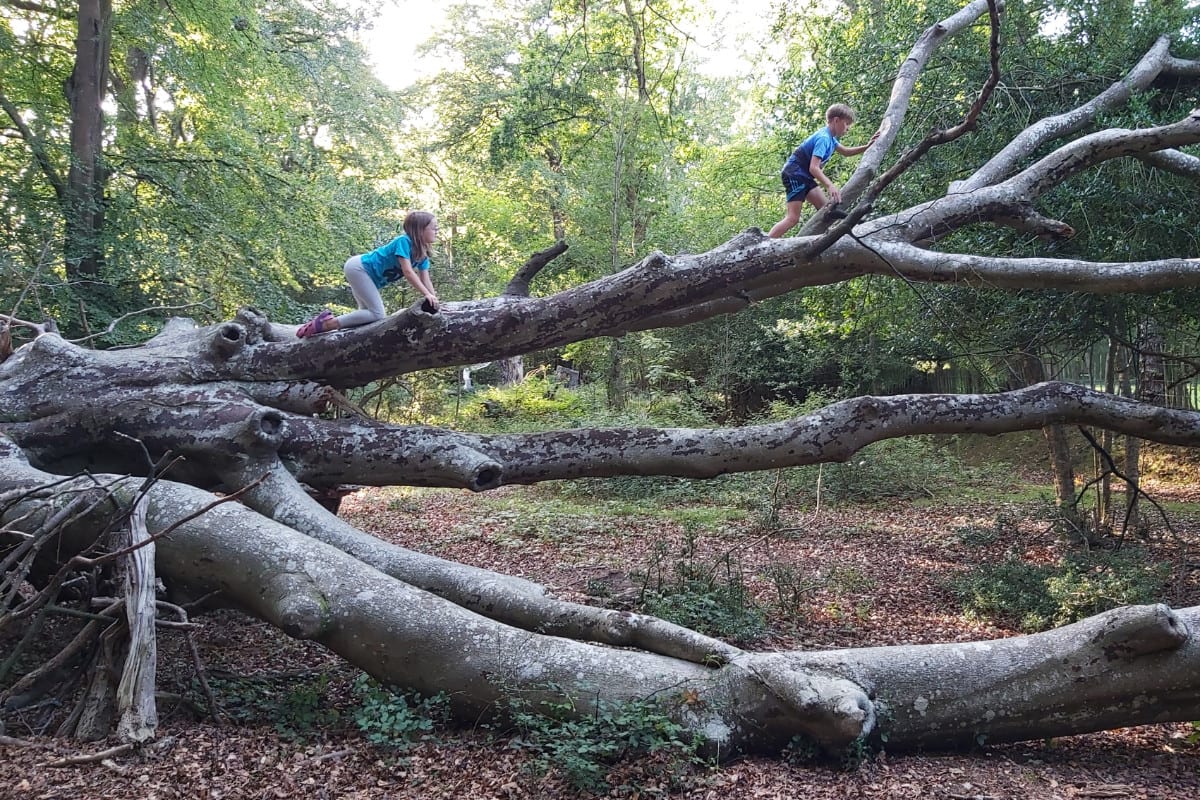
<point x="414" y="223"/>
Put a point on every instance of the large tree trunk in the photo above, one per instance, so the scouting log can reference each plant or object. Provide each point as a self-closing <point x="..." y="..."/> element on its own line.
<point x="85" y="180"/>
<point x="234" y="410"/>
<point x="1129" y="666"/>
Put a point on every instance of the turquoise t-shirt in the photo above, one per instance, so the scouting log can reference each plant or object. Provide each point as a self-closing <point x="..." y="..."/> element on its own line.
<point x="382" y="264"/>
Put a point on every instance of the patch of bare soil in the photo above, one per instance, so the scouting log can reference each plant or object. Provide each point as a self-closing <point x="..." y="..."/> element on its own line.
<point x="884" y="571"/>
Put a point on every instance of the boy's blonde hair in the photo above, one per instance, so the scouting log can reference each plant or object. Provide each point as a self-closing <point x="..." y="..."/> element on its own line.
<point x="840" y="110"/>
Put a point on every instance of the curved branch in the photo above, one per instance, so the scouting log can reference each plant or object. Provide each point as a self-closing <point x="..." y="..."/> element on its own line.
<point x="1088" y="151"/>
<point x="934" y="139"/>
<point x="1175" y="162"/>
<point x="519" y="285"/>
<point x="515" y="601"/>
<point x="659" y="290"/>
<point x="937" y="695"/>
<point x="938" y="217"/>
<point x="917" y="264"/>
<point x="902" y="91"/>
<point x="1156" y="61"/>
<point x="35" y="146"/>
<point x="835" y="433"/>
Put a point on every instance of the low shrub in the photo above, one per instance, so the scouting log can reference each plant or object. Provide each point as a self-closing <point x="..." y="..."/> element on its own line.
<point x="1036" y="597"/>
<point x="391" y="717"/>
<point x="585" y="747"/>
<point x="711" y="598"/>
<point x="296" y="705"/>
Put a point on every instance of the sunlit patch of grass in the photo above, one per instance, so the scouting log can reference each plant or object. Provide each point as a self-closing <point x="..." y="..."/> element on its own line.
<point x="708" y="518"/>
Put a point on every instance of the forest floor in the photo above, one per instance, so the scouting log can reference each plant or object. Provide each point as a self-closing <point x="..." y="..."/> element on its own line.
<point x="822" y="575"/>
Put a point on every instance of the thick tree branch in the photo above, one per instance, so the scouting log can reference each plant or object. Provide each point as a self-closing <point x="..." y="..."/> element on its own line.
<point x="938" y="217"/>
<point x="835" y="433"/>
<point x="662" y="289"/>
<point x="934" y="139"/>
<point x="902" y="91"/>
<point x="987" y="692"/>
<point x="1129" y="666"/>
<point x="1157" y="61"/>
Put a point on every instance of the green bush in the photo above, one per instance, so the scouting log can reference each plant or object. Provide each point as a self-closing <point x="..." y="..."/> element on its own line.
<point x="394" y="718"/>
<point x="909" y="467"/>
<point x="294" y="704"/>
<point x="710" y="598"/>
<point x="583" y="748"/>
<point x="1096" y="582"/>
<point x="1037" y="597"/>
<point x="536" y="403"/>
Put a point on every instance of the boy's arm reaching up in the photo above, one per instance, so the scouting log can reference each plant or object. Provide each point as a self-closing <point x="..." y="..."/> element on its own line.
<point x="859" y="149"/>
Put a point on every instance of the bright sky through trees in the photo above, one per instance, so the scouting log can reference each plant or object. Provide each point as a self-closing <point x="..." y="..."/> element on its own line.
<point x="730" y="33"/>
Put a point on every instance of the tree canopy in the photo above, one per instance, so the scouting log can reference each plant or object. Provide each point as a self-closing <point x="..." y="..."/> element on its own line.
<point x="247" y="145"/>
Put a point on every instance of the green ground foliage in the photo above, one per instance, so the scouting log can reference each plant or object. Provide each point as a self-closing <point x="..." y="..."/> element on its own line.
<point x="1036" y="597"/>
<point x="584" y="748"/>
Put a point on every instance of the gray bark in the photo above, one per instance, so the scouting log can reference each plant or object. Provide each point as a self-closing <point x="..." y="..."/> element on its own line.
<point x="240" y="403"/>
<point x="1130" y="666"/>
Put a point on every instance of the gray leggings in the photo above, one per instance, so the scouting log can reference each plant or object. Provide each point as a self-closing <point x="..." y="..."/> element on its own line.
<point x="370" y="303"/>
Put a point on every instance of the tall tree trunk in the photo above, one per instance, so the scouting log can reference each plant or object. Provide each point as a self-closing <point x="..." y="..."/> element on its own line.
<point x="1151" y="388"/>
<point x="638" y="53"/>
<point x="512" y="370"/>
<point x="1059" y="447"/>
<point x="85" y="90"/>
<point x="1104" y="504"/>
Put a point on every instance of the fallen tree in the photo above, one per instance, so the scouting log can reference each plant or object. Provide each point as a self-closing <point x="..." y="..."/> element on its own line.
<point x="200" y="416"/>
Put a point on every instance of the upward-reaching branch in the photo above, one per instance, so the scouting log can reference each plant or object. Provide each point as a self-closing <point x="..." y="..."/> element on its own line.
<point x="902" y="91"/>
<point x="1157" y="61"/>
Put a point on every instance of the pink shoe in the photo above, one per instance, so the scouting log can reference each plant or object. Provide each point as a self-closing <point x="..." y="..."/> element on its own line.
<point x="318" y="324"/>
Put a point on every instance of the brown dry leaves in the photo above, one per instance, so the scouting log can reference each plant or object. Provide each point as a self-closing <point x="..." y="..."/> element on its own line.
<point x="890" y="562"/>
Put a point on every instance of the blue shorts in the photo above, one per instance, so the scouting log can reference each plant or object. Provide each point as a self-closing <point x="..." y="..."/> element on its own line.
<point x="797" y="186"/>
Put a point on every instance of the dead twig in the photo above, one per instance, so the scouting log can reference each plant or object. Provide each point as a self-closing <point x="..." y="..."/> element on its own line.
<point x="91" y="758"/>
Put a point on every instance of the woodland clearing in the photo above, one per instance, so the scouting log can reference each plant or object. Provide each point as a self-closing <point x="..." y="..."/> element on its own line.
<point x="827" y="575"/>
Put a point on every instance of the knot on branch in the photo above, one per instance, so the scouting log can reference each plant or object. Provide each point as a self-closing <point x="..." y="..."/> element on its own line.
<point x="1161" y="418"/>
<point x="831" y="710"/>
<point x="46" y="349"/>
<point x="1139" y="630"/>
<point x="870" y="408"/>
<point x="228" y="340"/>
<point x="486" y="476"/>
<point x="656" y="261"/>
<point x="256" y="324"/>
<point x="263" y="430"/>
<point x="480" y="472"/>
<point x="301" y="609"/>
<point x="747" y="238"/>
<point x="422" y="317"/>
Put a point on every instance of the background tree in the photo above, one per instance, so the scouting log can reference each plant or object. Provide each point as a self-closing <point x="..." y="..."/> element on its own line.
<point x="230" y="137"/>
<point x="236" y="409"/>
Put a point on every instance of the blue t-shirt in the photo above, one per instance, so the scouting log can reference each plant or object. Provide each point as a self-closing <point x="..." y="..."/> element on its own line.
<point x="382" y="264"/>
<point x="821" y="144"/>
